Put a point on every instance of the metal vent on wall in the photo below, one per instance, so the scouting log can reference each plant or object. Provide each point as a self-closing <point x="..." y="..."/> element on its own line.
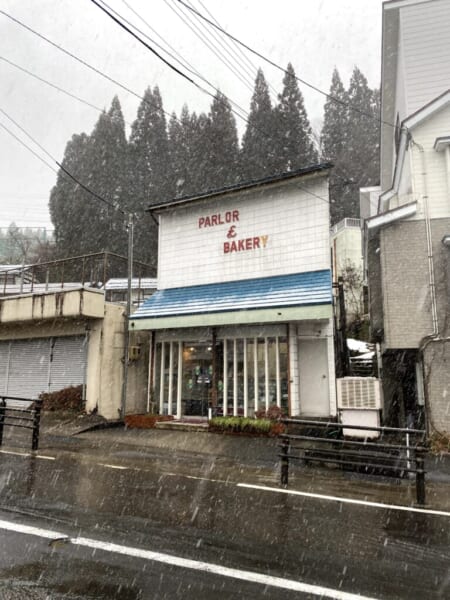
<point x="359" y="393"/>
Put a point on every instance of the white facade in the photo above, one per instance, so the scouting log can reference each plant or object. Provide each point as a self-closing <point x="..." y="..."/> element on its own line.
<point x="272" y="350"/>
<point x="195" y="242"/>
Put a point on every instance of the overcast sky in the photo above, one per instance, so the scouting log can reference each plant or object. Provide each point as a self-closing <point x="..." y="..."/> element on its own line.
<point x="315" y="35"/>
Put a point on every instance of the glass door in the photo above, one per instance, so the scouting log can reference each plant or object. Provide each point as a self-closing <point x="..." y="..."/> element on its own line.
<point x="196" y="390"/>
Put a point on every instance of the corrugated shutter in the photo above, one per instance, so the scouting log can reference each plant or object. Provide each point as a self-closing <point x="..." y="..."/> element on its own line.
<point x="4" y="354"/>
<point x="68" y="362"/>
<point x="29" y="367"/>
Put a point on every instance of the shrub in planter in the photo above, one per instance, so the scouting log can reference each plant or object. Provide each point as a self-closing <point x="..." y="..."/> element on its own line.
<point x="244" y="425"/>
<point x="69" y="398"/>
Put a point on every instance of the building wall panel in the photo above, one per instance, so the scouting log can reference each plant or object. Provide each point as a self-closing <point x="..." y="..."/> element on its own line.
<point x="294" y="221"/>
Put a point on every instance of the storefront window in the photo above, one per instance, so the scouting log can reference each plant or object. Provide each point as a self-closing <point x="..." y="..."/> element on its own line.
<point x="251" y="374"/>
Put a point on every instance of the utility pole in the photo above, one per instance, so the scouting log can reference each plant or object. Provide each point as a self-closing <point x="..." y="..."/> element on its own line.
<point x="130" y="229"/>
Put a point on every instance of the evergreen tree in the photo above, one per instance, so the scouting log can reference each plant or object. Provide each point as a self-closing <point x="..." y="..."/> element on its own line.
<point x="258" y="157"/>
<point x="148" y="170"/>
<point x="223" y="145"/>
<point x="294" y="146"/>
<point x="362" y="140"/>
<point x="69" y="203"/>
<point x="107" y="177"/>
<point x="334" y="144"/>
<point x="83" y="223"/>
<point x="179" y="140"/>
<point x="335" y="120"/>
<point x="200" y="151"/>
<point x="350" y="139"/>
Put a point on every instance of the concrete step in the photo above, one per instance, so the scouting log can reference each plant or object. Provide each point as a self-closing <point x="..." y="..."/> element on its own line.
<point x="184" y="425"/>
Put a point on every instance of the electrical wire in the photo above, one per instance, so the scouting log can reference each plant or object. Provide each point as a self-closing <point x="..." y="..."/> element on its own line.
<point x="53" y="85"/>
<point x="186" y="19"/>
<point x="123" y="26"/>
<point x="181" y="59"/>
<point x="61" y="167"/>
<point x="78" y="59"/>
<point x="28" y="148"/>
<point x="280" y="68"/>
<point x="120" y="20"/>
<point x="97" y="71"/>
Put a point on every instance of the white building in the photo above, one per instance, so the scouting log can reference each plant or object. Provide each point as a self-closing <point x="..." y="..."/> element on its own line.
<point x="347" y="264"/>
<point x="242" y="317"/>
<point x="408" y="263"/>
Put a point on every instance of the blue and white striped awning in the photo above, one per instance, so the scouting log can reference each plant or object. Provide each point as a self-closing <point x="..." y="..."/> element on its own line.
<point x="295" y="290"/>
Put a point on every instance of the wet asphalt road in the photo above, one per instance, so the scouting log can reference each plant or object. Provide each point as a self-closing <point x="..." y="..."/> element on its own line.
<point x="188" y="505"/>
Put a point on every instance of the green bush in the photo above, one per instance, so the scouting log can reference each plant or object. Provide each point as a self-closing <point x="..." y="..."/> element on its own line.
<point x="241" y="425"/>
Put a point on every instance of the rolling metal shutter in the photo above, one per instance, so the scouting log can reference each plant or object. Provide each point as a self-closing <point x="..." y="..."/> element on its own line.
<point x="4" y="361"/>
<point x="29" y="367"/>
<point x="68" y="362"/>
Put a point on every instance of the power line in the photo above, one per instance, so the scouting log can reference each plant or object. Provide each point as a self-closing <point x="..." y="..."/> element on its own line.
<point x="74" y="57"/>
<point x="186" y="19"/>
<point x="53" y="85"/>
<point x="280" y="68"/>
<point x="28" y="148"/>
<point x="61" y="167"/>
<point x="117" y="20"/>
<point x="190" y="68"/>
<point x="180" y="59"/>
<point x="123" y="26"/>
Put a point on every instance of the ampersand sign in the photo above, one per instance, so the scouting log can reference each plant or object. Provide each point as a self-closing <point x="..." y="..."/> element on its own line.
<point x="232" y="232"/>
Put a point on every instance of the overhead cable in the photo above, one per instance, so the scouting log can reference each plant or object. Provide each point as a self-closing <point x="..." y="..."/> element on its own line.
<point x="49" y="83"/>
<point x="280" y="68"/>
<point x="78" y="59"/>
<point x="66" y="171"/>
<point x="187" y="20"/>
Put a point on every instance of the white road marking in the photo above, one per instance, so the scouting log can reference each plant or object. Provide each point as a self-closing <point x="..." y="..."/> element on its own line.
<point x="113" y="466"/>
<point x="28" y="454"/>
<point x="169" y="474"/>
<point x="15" y="453"/>
<point x="186" y="563"/>
<point x="427" y="511"/>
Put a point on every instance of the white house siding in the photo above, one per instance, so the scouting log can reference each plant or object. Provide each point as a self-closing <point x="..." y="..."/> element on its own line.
<point x="436" y="181"/>
<point x="425" y="50"/>
<point x="191" y="254"/>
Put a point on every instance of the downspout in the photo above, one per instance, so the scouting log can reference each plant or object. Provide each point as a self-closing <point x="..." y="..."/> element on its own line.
<point x="434" y="335"/>
<point x="431" y="277"/>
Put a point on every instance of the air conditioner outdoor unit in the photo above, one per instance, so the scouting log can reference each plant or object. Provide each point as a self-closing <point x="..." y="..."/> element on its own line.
<point x="359" y="403"/>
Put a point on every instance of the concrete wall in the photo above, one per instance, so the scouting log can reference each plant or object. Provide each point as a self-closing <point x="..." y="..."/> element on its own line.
<point x="138" y="372"/>
<point x="38" y="307"/>
<point x="105" y="363"/>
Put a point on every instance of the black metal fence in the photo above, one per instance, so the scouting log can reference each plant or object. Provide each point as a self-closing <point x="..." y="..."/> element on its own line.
<point x="398" y="452"/>
<point x="21" y="412"/>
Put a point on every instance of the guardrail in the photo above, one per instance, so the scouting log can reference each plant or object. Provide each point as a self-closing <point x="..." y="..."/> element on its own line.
<point x="29" y="417"/>
<point x="375" y="457"/>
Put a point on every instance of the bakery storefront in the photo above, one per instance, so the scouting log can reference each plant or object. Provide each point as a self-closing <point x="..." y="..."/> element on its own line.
<point x="242" y="318"/>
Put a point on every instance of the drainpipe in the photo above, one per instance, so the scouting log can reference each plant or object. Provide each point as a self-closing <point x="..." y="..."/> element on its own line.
<point x="431" y="277"/>
<point x="447" y="164"/>
<point x="434" y="335"/>
<point x="130" y="228"/>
